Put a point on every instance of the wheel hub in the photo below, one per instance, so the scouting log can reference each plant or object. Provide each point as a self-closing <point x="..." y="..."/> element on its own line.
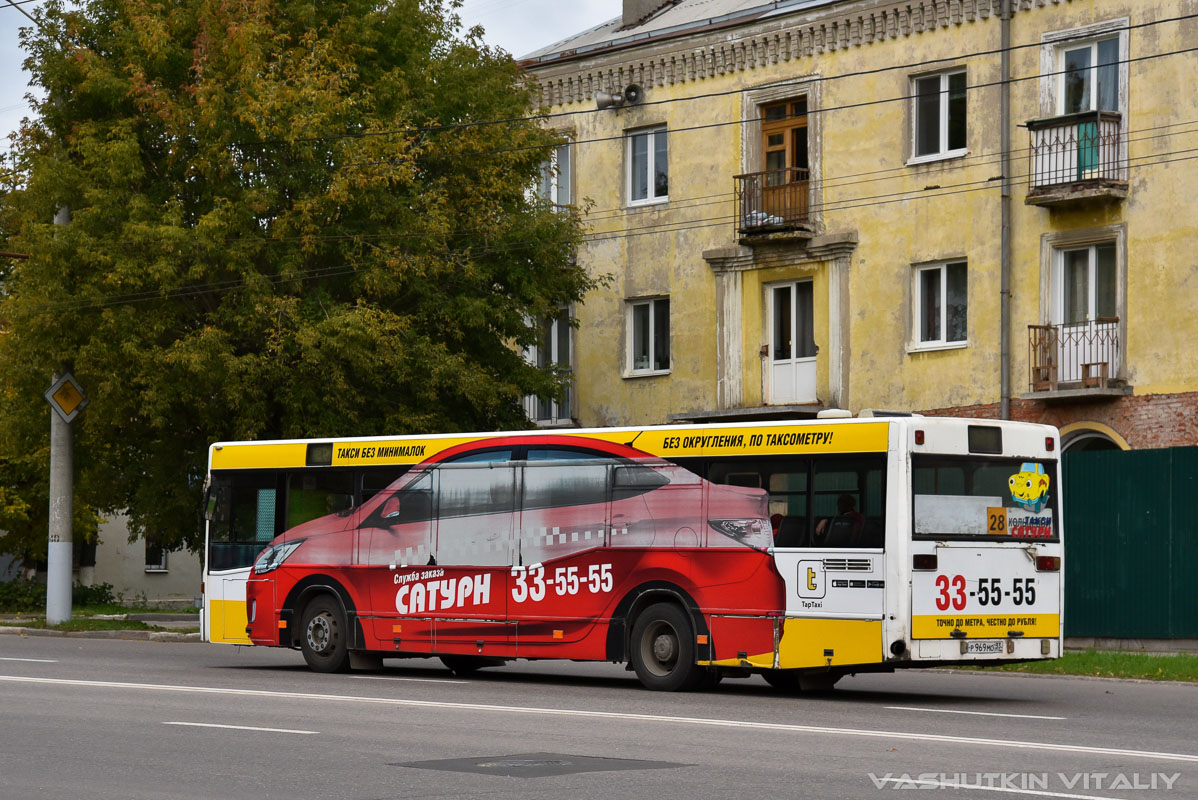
<point x="320" y="634"/>
<point x="665" y="649"/>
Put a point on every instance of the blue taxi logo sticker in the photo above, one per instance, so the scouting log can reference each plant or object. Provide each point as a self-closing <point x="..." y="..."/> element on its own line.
<point x="1029" y="487"/>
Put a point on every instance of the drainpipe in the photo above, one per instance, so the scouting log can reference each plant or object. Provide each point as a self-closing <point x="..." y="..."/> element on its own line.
<point x="1004" y="127"/>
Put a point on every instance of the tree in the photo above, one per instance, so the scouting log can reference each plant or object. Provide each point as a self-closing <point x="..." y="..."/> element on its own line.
<point x="283" y="224"/>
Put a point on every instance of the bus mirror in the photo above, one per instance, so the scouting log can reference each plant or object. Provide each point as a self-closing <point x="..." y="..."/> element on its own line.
<point x="216" y="504"/>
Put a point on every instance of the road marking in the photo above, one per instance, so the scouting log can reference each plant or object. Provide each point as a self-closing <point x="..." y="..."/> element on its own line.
<point x="974" y="713"/>
<point x="33" y="660"/>
<point x="910" y="783"/>
<point x="621" y="716"/>
<point x="239" y="727"/>
<point x="393" y="678"/>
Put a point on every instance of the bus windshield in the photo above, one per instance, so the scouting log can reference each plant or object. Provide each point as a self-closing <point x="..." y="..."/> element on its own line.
<point x="996" y="498"/>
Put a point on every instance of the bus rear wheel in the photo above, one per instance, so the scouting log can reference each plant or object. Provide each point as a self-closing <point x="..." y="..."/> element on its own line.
<point x="323" y="635"/>
<point x="791" y="680"/>
<point x="663" y="649"/>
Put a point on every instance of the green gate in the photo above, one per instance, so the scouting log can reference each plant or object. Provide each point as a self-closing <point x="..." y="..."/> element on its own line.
<point x="1131" y="543"/>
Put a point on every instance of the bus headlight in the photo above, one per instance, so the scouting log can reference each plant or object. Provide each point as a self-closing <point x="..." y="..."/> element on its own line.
<point x="272" y="557"/>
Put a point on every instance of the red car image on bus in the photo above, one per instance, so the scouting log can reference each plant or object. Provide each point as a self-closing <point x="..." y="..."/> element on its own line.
<point x="522" y="548"/>
<point x="801" y="550"/>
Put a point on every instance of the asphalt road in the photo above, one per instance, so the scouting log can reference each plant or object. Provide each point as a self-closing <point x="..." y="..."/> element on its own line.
<point x="128" y="719"/>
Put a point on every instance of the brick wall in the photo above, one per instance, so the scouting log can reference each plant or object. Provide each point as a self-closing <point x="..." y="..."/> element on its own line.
<point x="1146" y="422"/>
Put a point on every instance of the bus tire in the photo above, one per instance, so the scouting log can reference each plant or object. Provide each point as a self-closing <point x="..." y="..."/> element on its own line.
<point x="464" y="665"/>
<point x="663" y="649"/>
<point x="324" y="635"/>
<point x="792" y="680"/>
<point x="784" y="680"/>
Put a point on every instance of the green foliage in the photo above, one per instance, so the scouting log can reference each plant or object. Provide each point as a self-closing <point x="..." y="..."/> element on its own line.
<point x="98" y="594"/>
<point x="22" y="596"/>
<point x="273" y="234"/>
<point x="1108" y="664"/>
<point x="30" y="596"/>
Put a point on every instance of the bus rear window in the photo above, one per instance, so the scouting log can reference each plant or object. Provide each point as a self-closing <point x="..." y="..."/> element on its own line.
<point x="993" y="498"/>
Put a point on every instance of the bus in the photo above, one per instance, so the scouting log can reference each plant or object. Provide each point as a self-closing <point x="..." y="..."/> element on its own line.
<point x="801" y="551"/>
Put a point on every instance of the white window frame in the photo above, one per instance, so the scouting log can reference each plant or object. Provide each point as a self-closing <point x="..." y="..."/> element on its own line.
<point x="650" y="165"/>
<point x="943" y="343"/>
<point x="943" y="153"/>
<point x="560" y="414"/>
<point x="1052" y="64"/>
<point x="559" y="168"/>
<point x="1052" y="248"/>
<point x="1090" y="44"/>
<point x="630" y="370"/>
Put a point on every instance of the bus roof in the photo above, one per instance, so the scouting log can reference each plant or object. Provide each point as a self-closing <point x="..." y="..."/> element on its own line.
<point x="790" y="437"/>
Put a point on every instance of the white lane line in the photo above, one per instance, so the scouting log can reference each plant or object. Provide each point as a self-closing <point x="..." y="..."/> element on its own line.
<point x="239" y="727"/>
<point x="33" y="660"/>
<point x="973" y="713"/>
<point x="911" y="783"/>
<point x="394" y="678"/>
<point x="623" y="717"/>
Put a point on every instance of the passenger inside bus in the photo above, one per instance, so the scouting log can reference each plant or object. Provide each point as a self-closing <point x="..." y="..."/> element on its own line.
<point x="844" y="529"/>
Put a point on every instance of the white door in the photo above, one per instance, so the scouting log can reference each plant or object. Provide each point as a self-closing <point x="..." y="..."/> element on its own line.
<point x="792" y="344"/>
<point x="1084" y="308"/>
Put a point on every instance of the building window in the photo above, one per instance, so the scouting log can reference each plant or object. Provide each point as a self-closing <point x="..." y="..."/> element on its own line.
<point x="555" y="185"/>
<point x="648" y="166"/>
<point x="940" y="113"/>
<point x="552" y="351"/>
<point x="1089" y="79"/>
<point x="155" y="556"/>
<point x="941" y="302"/>
<point x="649" y="336"/>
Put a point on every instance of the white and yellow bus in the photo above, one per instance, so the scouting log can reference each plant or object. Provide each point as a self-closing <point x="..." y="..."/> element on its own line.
<point x="798" y="550"/>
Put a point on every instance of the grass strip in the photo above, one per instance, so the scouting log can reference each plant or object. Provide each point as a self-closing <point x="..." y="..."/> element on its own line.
<point x="88" y="624"/>
<point x="1110" y="664"/>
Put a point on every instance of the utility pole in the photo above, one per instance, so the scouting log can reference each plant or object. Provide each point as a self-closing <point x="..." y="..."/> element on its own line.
<point x="66" y="400"/>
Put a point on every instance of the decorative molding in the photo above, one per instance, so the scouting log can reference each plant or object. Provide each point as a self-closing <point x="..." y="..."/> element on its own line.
<point x="573" y="80"/>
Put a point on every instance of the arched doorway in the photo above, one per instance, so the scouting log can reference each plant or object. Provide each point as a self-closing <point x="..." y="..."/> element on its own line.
<point x="1083" y="437"/>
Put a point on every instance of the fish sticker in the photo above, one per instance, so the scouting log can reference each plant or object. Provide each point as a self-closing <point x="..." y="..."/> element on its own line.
<point x="1029" y="487"/>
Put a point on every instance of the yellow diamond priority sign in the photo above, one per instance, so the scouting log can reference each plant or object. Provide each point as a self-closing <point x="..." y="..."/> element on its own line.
<point x="66" y="397"/>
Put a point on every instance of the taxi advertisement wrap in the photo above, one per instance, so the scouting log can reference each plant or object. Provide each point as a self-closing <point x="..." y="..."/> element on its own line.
<point x="985" y="593"/>
<point x="663" y="442"/>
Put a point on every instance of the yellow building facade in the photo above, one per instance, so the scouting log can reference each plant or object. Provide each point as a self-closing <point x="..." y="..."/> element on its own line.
<point x="975" y="207"/>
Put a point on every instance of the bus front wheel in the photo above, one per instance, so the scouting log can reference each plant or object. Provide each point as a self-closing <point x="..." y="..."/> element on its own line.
<point x="663" y="649"/>
<point x="323" y="636"/>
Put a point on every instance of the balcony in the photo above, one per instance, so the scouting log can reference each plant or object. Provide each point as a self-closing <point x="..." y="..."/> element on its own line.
<point x="774" y="205"/>
<point x="1076" y="157"/>
<point x="1079" y="360"/>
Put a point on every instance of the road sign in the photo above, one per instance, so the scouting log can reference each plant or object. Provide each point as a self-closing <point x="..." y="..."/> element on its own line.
<point x="66" y="397"/>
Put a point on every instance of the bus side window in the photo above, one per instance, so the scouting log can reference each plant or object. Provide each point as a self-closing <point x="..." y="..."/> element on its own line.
<point x="474" y="510"/>
<point x="563" y="509"/>
<point x="245" y="525"/>
<point x="400" y="529"/>
<point x="311" y="495"/>
<point x="849" y="502"/>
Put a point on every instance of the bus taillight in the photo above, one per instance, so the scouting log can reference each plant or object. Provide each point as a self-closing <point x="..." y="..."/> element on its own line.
<point x="1048" y="563"/>
<point x="924" y="561"/>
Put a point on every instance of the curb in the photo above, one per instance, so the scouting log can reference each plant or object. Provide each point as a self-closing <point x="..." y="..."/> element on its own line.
<point x="147" y="636"/>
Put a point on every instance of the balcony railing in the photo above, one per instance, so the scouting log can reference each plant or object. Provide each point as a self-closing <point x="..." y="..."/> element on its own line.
<point x="776" y="200"/>
<point x="1083" y="355"/>
<point x="1076" y="152"/>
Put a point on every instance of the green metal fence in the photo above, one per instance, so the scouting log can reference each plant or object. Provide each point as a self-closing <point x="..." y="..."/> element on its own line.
<point x="1131" y="546"/>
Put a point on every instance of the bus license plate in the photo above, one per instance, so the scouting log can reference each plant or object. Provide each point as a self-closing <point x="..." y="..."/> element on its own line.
<point x="984" y="648"/>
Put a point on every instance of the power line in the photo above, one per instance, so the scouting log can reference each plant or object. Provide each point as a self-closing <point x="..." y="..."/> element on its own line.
<point x="1188" y="154"/>
<point x="17" y="5"/>
<point x="709" y="95"/>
